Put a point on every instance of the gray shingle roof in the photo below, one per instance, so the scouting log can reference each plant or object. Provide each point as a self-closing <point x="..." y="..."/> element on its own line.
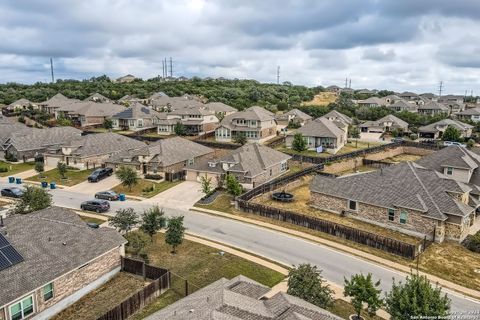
<point x="42" y="138"/>
<point x="218" y="301"/>
<point x="339" y="116"/>
<point x="52" y="242"/>
<point x="297" y="114"/>
<point x="470" y="112"/>
<point x="445" y="122"/>
<point x="92" y="109"/>
<point x="58" y="100"/>
<point x="252" y="113"/>
<point x="320" y="127"/>
<point x="433" y="105"/>
<point x="219" y="107"/>
<point x="405" y="185"/>
<point x="373" y="100"/>
<point x="137" y="111"/>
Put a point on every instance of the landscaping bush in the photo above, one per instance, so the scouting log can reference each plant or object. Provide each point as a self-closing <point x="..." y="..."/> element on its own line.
<point x="3" y="169"/>
<point x="72" y="168"/>
<point x="472" y="242"/>
<point x="413" y="136"/>
<point x="10" y="157"/>
<point x="153" y="176"/>
<point x="148" y="189"/>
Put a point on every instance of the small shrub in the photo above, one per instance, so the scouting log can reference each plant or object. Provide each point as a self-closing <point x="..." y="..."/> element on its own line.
<point x="72" y="168"/>
<point x="10" y="157"/>
<point x="413" y="136"/>
<point x="148" y="189"/>
<point x="472" y="242"/>
<point x="153" y="177"/>
<point x="3" y="169"/>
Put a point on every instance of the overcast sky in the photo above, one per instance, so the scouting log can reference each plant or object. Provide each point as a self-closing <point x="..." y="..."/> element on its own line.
<point x="393" y="44"/>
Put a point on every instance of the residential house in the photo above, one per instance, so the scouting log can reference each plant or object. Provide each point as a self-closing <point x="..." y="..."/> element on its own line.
<point x="252" y="164"/>
<point x="88" y="113"/>
<point x="256" y="123"/>
<point x="91" y="150"/>
<point x="412" y="97"/>
<point x="9" y="128"/>
<point x="322" y="133"/>
<point x="402" y="105"/>
<point x="166" y="156"/>
<point x="472" y="114"/>
<point x="29" y="144"/>
<point x="21" y="104"/>
<point x="294" y="116"/>
<point x="392" y="98"/>
<point x="195" y="120"/>
<point x="220" y="109"/>
<point x="51" y="105"/>
<point x="385" y="124"/>
<point x="334" y="115"/>
<point x="406" y="197"/>
<point x="433" y="108"/>
<point x="455" y="107"/>
<point x="126" y="79"/>
<point x="372" y="102"/>
<point x="334" y="89"/>
<point x="137" y="117"/>
<point x="97" y="97"/>
<point x="50" y="259"/>
<point x="241" y="299"/>
<point x="449" y="98"/>
<point x="428" y="96"/>
<point x="436" y="130"/>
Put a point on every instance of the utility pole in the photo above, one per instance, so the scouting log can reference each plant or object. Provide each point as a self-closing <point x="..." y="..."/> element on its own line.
<point x="51" y="69"/>
<point x="346" y="81"/>
<point x="278" y="74"/>
<point x="350" y="84"/>
<point x="440" y="89"/>
<point x="163" y="69"/>
<point x="171" y="67"/>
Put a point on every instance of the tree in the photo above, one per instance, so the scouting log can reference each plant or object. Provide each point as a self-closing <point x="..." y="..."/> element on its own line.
<point x="127" y="176"/>
<point x="354" y="132"/>
<point x="152" y="220"/>
<point x="175" y="232"/>
<point x="124" y="219"/>
<point x="470" y="143"/>
<point x="306" y="282"/>
<point x="62" y="169"/>
<point x="451" y="134"/>
<point x="137" y="241"/>
<point x="39" y="167"/>
<point x="206" y="184"/>
<point x="233" y="186"/>
<point x="299" y="144"/>
<point x="33" y="199"/>
<point x="362" y="290"/>
<point x="179" y="129"/>
<point x="416" y="297"/>
<point x="108" y="124"/>
<point x="240" y="138"/>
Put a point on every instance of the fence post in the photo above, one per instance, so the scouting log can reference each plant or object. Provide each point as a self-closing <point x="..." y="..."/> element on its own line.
<point x="122" y="263"/>
<point x="144" y="272"/>
<point x="186" y="287"/>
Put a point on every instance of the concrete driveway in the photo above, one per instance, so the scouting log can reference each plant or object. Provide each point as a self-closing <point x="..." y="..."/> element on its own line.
<point x="370" y="137"/>
<point x="183" y="195"/>
<point x="91" y="188"/>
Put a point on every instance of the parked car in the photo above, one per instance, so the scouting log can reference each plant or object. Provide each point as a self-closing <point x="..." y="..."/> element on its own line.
<point x="453" y="143"/>
<point x="95" y="205"/>
<point x="100" y="174"/>
<point x="13" y="192"/>
<point x="398" y="139"/>
<point x="107" y="195"/>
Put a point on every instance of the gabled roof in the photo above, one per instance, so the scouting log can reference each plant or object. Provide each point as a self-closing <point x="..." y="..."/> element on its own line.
<point x="239" y="299"/>
<point x="96" y="97"/>
<point x="93" y="109"/>
<point x="219" y="107"/>
<point x="445" y="122"/>
<point x="137" y="111"/>
<point x="470" y="112"/>
<point x="20" y="102"/>
<point x="433" y="105"/>
<point x="406" y="185"/>
<point x="397" y="122"/>
<point x="373" y="100"/>
<point x="58" y="100"/>
<point x="297" y="114"/>
<point x="252" y="113"/>
<point x="321" y="127"/>
<point x="338" y="116"/>
<point x="452" y="156"/>
<point x="53" y="242"/>
<point x="403" y="105"/>
<point x="42" y="138"/>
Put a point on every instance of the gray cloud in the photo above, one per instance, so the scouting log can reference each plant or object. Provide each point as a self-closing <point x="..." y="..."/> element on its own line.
<point x="376" y="54"/>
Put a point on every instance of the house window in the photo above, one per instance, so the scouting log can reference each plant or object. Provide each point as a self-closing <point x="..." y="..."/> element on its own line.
<point x="449" y="171"/>
<point x="190" y="161"/>
<point x="48" y="292"/>
<point x="391" y="215"/>
<point x="283" y="166"/>
<point x="21" y="309"/>
<point x="403" y="217"/>
<point x="352" y="205"/>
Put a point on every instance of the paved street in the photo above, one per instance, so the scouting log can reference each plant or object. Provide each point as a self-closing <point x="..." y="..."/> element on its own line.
<point x="270" y="244"/>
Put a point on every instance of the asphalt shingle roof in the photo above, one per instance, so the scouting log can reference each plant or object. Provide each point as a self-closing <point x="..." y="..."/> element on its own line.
<point x="52" y="242"/>
<point x="42" y="138"/>
<point x="339" y="116"/>
<point x="321" y="127"/>
<point x="445" y="122"/>
<point x="137" y="111"/>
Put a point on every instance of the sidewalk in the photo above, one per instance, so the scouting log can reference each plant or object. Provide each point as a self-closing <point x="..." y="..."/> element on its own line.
<point x="347" y="249"/>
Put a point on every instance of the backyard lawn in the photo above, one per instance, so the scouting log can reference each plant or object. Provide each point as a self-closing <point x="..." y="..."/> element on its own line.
<point x="200" y="265"/>
<point x="73" y="177"/>
<point x="146" y="188"/>
<point x="89" y="219"/>
<point x="14" y="168"/>
<point x="101" y="300"/>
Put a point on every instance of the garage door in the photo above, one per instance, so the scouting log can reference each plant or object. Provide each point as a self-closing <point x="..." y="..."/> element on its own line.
<point x="51" y="161"/>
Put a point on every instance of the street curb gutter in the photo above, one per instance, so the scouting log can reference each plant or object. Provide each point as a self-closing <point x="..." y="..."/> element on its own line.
<point x="343" y="248"/>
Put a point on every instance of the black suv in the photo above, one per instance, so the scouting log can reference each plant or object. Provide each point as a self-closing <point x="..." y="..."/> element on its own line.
<point x="99" y="174"/>
<point x="95" y="205"/>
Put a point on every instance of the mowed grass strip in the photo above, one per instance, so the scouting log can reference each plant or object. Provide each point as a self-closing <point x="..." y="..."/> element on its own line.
<point x="73" y="177"/>
<point x="14" y="168"/>
<point x="146" y="188"/>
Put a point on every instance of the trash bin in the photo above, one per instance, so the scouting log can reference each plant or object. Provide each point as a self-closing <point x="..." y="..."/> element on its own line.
<point x="44" y="184"/>
<point x="11" y="179"/>
<point x="122" y="197"/>
<point x="53" y="185"/>
<point x="18" y="180"/>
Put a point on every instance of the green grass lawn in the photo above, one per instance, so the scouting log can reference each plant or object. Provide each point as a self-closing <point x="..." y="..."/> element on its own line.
<point x="92" y="219"/>
<point x="344" y="309"/>
<point x="146" y="188"/>
<point x="15" y="167"/>
<point x="73" y="177"/>
<point x="200" y="265"/>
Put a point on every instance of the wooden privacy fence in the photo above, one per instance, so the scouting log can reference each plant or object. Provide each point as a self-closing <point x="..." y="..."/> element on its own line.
<point x="376" y="163"/>
<point x="390" y="245"/>
<point x="161" y="280"/>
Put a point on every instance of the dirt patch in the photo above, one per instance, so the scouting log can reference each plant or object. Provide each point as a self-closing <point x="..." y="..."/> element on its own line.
<point x="403" y="158"/>
<point x="322" y="99"/>
<point x="101" y="300"/>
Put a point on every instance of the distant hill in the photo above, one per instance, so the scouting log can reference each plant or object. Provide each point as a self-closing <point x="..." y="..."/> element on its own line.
<point x="321" y="99"/>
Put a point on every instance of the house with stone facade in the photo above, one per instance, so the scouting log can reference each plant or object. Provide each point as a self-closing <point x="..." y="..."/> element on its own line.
<point x="252" y="165"/>
<point x="330" y="136"/>
<point x="294" y="117"/>
<point x="407" y="197"/>
<point x="137" y="117"/>
<point x="167" y="157"/>
<point x="256" y="123"/>
<point x="52" y="260"/>
<point x="436" y="130"/>
<point x="241" y="298"/>
<point x="90" y="151"/>
<point x="385" y="124"/>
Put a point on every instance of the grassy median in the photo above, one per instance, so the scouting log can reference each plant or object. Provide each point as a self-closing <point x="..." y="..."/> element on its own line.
<point x="73" y="177"/>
